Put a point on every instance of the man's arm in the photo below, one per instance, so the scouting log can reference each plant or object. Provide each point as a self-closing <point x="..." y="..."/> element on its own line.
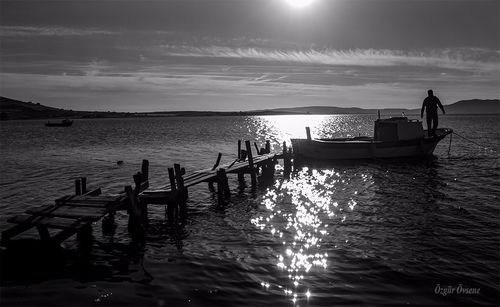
<point x="422" y="111"/>
<point x="440" y="105"/>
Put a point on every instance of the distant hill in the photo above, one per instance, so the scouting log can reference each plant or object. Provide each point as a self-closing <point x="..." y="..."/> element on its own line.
<point x="330" y="110"/>
<point x="475" y="106"/>
<point x="15" y="109"/>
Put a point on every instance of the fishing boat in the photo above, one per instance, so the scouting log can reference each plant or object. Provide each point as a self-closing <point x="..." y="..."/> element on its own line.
<point x="395" y="137"/>
<point x="63" y="123"/>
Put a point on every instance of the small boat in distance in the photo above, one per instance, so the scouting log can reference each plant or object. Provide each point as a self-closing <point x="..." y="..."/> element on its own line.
<point x="63" y="123"/>
<point x="395" y="137"/>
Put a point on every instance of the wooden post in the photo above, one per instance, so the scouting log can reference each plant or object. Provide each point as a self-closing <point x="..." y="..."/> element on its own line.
<point x="137" y="181"/>
<point x="287" y="163"/>
<point x="172" y="205"/>
<point x="85" y="237"/>
<point x="257" y="148"/>
<point x="241" y="178"/>
<point x="217" y="162"/>
<point x="225" y="184"/>
<point x="78" y="187"/>
<point x="44" y="233"/>
<point x="84" y="185"/>
<point x="143" y="206"/>
<point x="182" y="191"/>
<point x="220" y="187"/>
<point x="171" y="177"/>
<point x="239" y="150"/>
<point x="108" y="224"/>
<point x="134" y="225"/>
<point x="308" y="132"/>
<point x="250" y="164"/>
<point x="243" y="155"/>
<point x="273" y="168"/>
<point x="268" y="147"/>
<point x="219" y="156"/>
<point x="145" y="170"/>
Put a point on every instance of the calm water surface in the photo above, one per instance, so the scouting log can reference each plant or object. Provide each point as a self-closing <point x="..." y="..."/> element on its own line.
<point x="348" y="234"/>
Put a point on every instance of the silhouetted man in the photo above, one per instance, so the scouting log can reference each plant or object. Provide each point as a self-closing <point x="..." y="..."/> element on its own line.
<point x="431" y="104"/>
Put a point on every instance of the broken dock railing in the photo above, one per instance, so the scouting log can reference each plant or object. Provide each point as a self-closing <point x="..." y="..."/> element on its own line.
<point x="75" y="214"/>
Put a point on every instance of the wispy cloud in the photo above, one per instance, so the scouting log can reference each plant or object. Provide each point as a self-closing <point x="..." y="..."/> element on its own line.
<point x="468" y="59"/>
<point x="16" y="31"/>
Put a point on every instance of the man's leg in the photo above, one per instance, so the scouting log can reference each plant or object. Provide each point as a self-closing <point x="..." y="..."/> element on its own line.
<point x="434" y="124"/>
<point x="429" y="125"/>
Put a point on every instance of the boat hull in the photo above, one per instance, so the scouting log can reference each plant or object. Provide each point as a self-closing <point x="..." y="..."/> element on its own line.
<point x="62" y="124"/>
<point x="365" y="148"/>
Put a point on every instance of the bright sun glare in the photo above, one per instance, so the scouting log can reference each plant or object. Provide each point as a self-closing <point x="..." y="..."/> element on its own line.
<point x="299" y="3"/>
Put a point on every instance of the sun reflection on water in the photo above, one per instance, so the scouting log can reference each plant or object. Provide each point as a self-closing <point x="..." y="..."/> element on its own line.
<point x="300" y="213"/>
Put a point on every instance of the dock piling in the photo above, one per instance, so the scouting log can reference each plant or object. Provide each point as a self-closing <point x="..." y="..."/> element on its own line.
<point x="223" y="191"/>
<point x="257" y="148"/>
<point x="145" y="170"/>
<point x="287" y="162"/>
<point x="78" y="187"/>
<point x="251" y="167"/>
<point x="84" y="184"/>
<point x="239" y="150"/>
<point x="182" y="191"/>
<point x="134" y="221"/>
<point x="75" y="214"/>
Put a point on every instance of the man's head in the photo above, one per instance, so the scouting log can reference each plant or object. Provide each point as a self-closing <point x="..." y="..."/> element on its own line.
<point x="430" y="93"/>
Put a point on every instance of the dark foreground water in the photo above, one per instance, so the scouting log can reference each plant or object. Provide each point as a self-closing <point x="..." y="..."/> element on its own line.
<point x="368" y="233"/>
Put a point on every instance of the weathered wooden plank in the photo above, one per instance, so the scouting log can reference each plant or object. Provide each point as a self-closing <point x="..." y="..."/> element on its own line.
<point x="199" y="180"/>
<point x="157" y="196"/>
<point x="100" y="198"/>
<point x="86" y="204"/>
<point x="71" y="212"/>
<point x="93" y="192"/>
<point x="49" y="222"/>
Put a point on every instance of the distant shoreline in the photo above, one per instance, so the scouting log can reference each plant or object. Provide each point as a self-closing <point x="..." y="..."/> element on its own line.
<point x="11" y="109"/>
<point x="55" y="119"/>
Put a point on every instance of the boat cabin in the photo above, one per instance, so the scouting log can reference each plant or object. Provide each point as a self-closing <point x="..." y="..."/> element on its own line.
<point x="398" y="129"/>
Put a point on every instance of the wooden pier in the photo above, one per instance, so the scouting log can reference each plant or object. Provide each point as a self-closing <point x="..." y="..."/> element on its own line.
<point x="75" y="214"/>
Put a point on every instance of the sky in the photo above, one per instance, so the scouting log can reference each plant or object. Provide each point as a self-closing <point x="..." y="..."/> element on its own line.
<point x="235" y="55"/>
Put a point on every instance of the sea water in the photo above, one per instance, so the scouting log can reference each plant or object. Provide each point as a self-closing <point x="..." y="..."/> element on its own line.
<point x="373" y="232"/>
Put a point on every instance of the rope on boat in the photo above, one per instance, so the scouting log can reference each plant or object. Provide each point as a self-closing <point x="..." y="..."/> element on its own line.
<point x="449" y="147"/>
<point x="469" y="140"/>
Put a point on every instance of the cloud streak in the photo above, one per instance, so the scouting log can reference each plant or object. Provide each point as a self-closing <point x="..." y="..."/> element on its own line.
<point x="23" y="31"/>
<point x="467" y="59"/>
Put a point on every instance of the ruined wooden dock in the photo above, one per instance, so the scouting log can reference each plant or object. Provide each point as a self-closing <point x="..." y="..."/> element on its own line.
<point x="75" y="214"/>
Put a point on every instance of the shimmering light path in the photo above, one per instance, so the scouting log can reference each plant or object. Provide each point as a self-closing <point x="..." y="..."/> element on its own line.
<point x="301" y="213"/>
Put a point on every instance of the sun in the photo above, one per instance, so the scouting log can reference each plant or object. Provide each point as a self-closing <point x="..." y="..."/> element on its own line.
<point x="299" y="3"/>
